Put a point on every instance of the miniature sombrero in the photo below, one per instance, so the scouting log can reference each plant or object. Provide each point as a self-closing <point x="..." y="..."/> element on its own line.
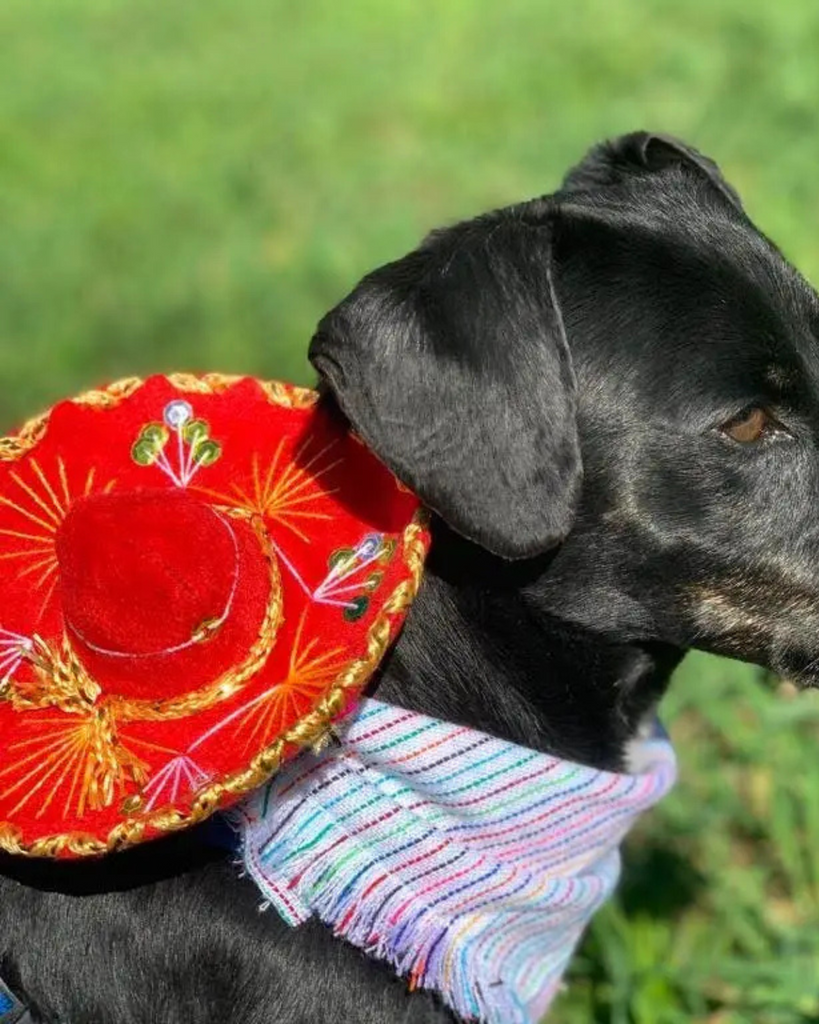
<point x="199" y="575"/>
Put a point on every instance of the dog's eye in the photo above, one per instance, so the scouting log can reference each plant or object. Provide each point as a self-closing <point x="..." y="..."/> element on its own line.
<point x="750" y="425"/>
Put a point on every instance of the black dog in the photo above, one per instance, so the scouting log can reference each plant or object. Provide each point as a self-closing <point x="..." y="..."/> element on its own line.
<point x="610" y="398"/>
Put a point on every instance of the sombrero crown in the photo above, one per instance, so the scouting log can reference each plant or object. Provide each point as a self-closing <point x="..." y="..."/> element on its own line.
<point x="200" y="574"/>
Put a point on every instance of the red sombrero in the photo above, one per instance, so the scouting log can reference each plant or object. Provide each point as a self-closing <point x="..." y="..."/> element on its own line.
<point x="200" y="574"/>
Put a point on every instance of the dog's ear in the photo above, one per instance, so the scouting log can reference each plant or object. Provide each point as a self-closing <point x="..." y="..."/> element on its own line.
<point x="644" y="153"/>
<point x="452" y="365"/>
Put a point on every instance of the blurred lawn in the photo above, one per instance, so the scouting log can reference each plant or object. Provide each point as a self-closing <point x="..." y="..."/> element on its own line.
<point x="192" y="184"/>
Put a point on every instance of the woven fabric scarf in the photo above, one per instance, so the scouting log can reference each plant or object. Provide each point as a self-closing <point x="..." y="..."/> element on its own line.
<point x="470" y="864"/>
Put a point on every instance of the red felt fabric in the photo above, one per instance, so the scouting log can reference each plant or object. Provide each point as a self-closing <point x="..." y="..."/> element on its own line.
<point x="103" y="546"/>
<point x="139" y="572"/>
<point x="169" y="673"/>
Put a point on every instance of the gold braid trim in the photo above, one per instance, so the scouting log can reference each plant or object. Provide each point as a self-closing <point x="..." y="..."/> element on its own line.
<point x="111" y="395"/>
<point x="310" y="731"/>
<point x="31" y="433"/>
<point x="289" y="395"/>
<point x="61" y="682"/>
<point x="108" y="762"/>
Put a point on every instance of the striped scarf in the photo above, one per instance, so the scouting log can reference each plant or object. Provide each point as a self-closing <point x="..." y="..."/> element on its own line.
<point x="470" y="864"/>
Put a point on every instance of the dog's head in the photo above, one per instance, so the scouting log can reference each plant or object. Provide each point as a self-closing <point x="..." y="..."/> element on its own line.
<point x="625" y="372"/>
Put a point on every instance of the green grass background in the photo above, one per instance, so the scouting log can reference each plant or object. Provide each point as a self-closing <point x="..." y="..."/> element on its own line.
<point x="192" y="184"/>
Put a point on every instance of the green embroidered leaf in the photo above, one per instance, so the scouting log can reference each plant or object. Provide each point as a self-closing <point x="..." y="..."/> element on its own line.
<point x="340" y="557"/>
<point x="195" y="432"/>
<point x="356" y="608"/>
<point x="144" y="452"/>
<point x="155" y="433"/>
<point x="374" y="581"/>
<point x="208" y="452"/>
<point x="388" y="547"/>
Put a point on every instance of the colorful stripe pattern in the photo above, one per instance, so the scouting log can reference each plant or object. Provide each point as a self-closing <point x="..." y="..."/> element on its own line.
<point x="471" y="864"/>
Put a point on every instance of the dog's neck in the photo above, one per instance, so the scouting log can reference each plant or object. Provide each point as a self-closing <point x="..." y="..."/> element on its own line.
<point x="485" y="645"/>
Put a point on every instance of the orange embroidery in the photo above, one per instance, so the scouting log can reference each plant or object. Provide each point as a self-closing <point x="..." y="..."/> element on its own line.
<point x="42" y="504"/>
<point x="282" y="494"/>
<point x="80" y="756"/>
<point x="308" y="677"/>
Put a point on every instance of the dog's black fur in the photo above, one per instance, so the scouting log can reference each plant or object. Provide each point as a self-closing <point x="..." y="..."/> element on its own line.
<point x="563" y="382"/>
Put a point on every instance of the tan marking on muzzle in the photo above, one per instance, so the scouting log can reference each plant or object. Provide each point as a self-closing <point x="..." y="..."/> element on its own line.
<point x="716" y="610"/>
